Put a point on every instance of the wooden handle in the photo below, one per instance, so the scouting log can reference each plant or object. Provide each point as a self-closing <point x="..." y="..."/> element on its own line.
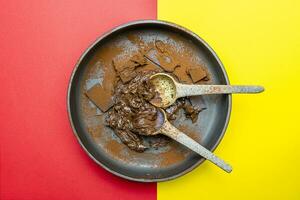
<point x="193" y="90"/>
<point x="172" y="132"/>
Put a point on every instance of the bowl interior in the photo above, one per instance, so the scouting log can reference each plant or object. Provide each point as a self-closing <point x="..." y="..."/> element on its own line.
<point x="104" y="146"/>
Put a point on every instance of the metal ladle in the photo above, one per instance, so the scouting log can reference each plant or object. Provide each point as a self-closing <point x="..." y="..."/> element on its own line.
<point x="169" y="90"/>
<point x="166" y="128"/>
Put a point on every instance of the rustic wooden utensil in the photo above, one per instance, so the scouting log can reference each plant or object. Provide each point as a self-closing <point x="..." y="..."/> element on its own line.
<point x="166" y="128"/>
<point x="169" y="90"/>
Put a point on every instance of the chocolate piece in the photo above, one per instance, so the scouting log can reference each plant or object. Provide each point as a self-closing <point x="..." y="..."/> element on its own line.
<point x="118" y="65"/>
<point x="127" y="74"/>
<point x="135" y="61"/>
<point x="165" y="58"/>
<point x="197" y="73"/>
<point x="101" y="97"/>
<point x="181" y="73"/>
<point x="191" y="112"/>
<point x="183" y="103"/>
<point x="166" y="62"/>
<point x="126" y="69"/>
<point x="138" y="60"/>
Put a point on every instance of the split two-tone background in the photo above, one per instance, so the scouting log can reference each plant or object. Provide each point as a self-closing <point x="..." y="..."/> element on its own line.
<point x="40" y="42"/>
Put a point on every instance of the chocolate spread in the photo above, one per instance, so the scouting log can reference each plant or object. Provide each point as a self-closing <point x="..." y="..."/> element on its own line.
<point x="130" y="114"/>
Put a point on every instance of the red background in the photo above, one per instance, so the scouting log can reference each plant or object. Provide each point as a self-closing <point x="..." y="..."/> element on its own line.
<point x="40" y="42"/>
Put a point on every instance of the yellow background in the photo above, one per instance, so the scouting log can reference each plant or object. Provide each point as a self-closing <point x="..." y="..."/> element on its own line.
<point x="259" y="43"/>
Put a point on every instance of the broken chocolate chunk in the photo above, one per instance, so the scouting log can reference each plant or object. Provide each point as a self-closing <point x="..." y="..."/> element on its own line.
<point x="181" y="73"/>
<point x="165" y="58"/>
<point x="166" y="62"/>
<point x="126" y="69"/>
<point x="197" y="73"/>
<point x="118" y="65"/>
<point x="138" y="60"/>
<point x="192" y="112"/>
<point x="127" y="74"/>
<point x="101" y="97"/>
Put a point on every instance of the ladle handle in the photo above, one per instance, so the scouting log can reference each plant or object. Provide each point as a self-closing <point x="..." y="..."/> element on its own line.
<point x="193" y="90"/>
<point x="172" y="132"/>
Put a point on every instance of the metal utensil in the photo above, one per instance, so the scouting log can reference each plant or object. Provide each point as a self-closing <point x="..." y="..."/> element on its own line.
<point x="169" y="90"/>
<point x="166" y="128"/>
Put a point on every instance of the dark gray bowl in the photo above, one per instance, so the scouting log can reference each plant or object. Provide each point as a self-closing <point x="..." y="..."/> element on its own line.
<point x="105" y="148"/>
